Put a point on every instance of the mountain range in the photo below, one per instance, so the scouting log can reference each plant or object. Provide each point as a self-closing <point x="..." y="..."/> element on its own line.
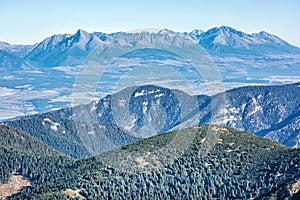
<point x="42" y="77"/>
<point x="141" y="112"/>
<point x="228" y="40"/>
<point x="72" y="49"/>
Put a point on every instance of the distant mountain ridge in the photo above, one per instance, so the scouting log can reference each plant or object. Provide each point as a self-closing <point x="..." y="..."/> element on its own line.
<point x="18" y="50"/>
<point x="226" y="39"/>
<point x="70" y="49"/>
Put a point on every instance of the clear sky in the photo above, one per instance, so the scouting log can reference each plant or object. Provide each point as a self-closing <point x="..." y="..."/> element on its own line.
<point x="30" y="21"/>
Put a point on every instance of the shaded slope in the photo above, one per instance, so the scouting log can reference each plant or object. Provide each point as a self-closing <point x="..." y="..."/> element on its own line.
<point x="74" y="138"/>
<point x="21" y="141"/>
<point x="266" y="111"/>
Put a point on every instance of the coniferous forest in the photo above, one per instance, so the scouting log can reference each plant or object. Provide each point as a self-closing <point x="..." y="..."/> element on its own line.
<point x="238" y="166"/>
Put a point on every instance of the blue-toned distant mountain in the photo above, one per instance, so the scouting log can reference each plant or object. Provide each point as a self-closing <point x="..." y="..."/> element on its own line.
<point x="64" y="50"/>
<point x="18" y="50"/>
<point x="228" y="40"/>
<point x="42" y="77"/>
<point x="72" y="49"/>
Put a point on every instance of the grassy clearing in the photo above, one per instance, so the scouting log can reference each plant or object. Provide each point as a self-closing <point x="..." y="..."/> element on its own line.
<point x="15" y="184"/>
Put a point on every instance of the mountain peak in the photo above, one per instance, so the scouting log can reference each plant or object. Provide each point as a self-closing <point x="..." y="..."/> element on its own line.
<point x="227" y="28"/>
<point x="267" y="37"/>
<point x="226" y="31"/>
<point x="166" y="31"/>
<point x="82" y="34"/>
<point x="195" y="33"/>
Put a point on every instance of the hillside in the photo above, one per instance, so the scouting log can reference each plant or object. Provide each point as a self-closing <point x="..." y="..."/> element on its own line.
<point x="206" y="161"/>
<point x="21" y="141"/>
<point x="77" y="139"/>
<point x="22" y="155"/>
<point x="272" y="112"/>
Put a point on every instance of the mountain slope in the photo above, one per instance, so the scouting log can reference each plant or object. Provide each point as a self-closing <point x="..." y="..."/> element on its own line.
<point x="206" y="161"/>
<point x="9" y="62"/>
<point x="21" y="141"/>
<point x="17" y="50"/>
<point x="271" y="112"/>
<point x="75" y="138"/>
<point x="23" y="154"/>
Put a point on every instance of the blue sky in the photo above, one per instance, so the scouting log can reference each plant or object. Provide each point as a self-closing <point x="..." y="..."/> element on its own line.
<point x="30" y="21"/>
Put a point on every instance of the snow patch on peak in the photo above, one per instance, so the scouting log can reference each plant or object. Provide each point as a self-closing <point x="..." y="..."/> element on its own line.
<point x="54" y="125"/>
<point x="149" y="92"/>
<point x="145" y="108"/>
<point x="197" y="31"/>
<point x="195" y="34"/>
<point x="137" y="94"/>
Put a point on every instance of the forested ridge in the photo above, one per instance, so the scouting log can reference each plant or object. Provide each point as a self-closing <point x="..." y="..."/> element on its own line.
<point x="218" y="162"/>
